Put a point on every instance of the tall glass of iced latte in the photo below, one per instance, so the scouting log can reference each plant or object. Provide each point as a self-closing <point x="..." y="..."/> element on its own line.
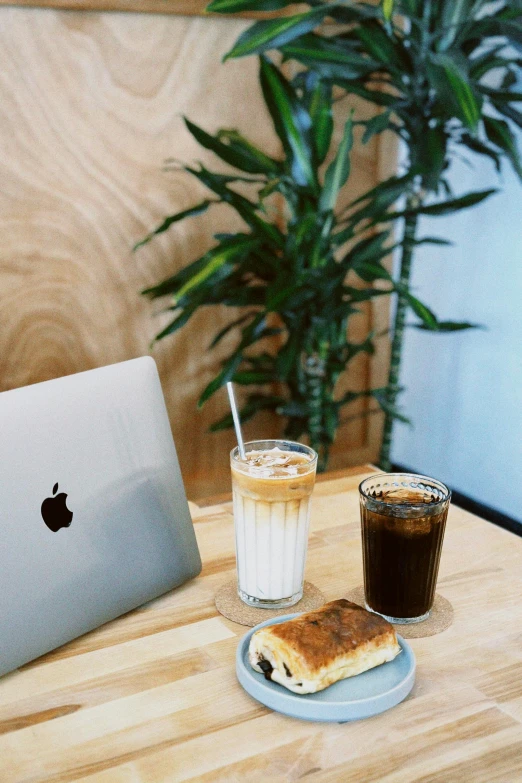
<point x="271" y="491"/>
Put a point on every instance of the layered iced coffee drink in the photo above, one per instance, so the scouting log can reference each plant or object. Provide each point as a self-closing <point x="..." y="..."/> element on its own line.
<point x="271" y="490"/>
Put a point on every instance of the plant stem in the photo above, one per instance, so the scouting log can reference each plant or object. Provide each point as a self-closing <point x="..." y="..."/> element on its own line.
<point x="317" y="392"/>
<point x="392" y="389"/>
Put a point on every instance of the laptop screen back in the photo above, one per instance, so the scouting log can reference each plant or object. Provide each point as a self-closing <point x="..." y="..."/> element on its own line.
<point x="93" y="515"/>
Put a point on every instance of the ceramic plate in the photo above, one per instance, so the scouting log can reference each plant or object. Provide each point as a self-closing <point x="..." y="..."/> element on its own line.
<point x="354" y="698"/>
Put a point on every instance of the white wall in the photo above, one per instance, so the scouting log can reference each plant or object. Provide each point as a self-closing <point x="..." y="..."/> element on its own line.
<point x="464" y="390"/>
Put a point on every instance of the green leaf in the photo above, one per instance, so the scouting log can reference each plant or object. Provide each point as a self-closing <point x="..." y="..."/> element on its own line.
<point x="329" y="57"/>
<point x="244" y="296"/>
<point x="510" y="78"/>
<point x="453" y="205"/>
<point x="427" y="317"/>
<point x="502" y="96"/>
<point x="387" y="9"/>
<point x="240" y="145"/>
<point x="355" y="12"/>
<point x="272" y="186"/>
<point x="172" y="284"/>
<point x="490" y="26"/>
<point x="478" y="146"/>
<point x="320" y="109"/>
<point x="365" y="294"/>
<point x="226" y="329"/>
<point x="338" y="171"/>
<point x="380" y="198"/>
<point x="227" y="422"/>
<point x="350" y="396"/>
<point x="248" y="378"/>
<point x="291" y="121"/>
<point x="509" y="111"/>
<point x="381" y="397"/>
<point x="215" y="259"/>
<point x="354" y="349"/>
<point x="218" y="183"/>
<point x="499" y="133"/>
<point x="178" y="322"/>
<point x="253" y="332"/>
<point x="453" y="89"/>
<point x="393" y="186"/>
<point x="369" y="271"/>
<point x="487" y="62"/>
<point x="454" y="13"/>
<point x="448" y="326"/>
<point x="383" y="48"/>
<point x="226" y="374"/>
<point x="412" y="7"/>
<point x="433" y="241"/>
<point x="376" y="125"/>
<point x="237" y="151"/>
<point x="197" y="210"/>
<point x="245" y="208"/>
<point x="236" y="6"/>
<point x="379" y="97"/>
<point x="447" y="207"/>
<point x="262" y="362"/>
<point x="368" y="249"/>
<point x="288" y="297"/>
<point x="342" y="236"/>
<point x="274" y="33"/>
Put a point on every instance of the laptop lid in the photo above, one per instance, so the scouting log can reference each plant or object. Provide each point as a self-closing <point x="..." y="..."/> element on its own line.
<point x="94" y="519"/>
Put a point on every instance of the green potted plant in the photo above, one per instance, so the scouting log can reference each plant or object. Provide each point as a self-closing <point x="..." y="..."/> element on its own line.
<point x="288" y="269"/>
<point x="444" y="76"/>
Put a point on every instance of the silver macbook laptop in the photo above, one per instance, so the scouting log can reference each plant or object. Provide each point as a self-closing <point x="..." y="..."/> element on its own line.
<point x="93" y="515"/>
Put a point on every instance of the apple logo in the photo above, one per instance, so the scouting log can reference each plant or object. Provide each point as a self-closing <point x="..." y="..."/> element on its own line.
<point x="55" y="512"/>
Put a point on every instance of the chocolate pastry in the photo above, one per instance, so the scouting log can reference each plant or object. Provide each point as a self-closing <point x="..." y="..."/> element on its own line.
<point x="316" y="649"/>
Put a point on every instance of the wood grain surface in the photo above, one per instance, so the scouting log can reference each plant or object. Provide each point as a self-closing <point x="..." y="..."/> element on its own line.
<point x="91" y="105"/>
<point x="183" y="7"/>
<point x="152" y="697"/>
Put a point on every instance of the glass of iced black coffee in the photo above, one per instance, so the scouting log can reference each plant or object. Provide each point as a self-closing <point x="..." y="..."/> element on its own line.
<point x="403" y="517"/>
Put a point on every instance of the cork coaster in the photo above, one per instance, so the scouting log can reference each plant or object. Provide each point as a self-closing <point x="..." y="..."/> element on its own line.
<point x="230" y="605"/>
<point x="441" y="616"/>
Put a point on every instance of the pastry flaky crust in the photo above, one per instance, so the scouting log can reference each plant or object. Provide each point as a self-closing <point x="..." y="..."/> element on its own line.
<point x="316" y="649"/>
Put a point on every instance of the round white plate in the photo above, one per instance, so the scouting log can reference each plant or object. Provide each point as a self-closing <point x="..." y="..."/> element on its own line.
<point x="354" y="698"/>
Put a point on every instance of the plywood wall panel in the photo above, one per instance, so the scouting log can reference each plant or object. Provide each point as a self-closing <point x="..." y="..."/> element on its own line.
<point x="91" y="105"/>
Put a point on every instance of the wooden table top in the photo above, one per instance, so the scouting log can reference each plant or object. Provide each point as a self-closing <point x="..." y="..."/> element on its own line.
<point x="153" y="695"/>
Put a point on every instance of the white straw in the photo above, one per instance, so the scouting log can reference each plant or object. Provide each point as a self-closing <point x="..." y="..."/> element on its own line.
<point x="235" y="417"/>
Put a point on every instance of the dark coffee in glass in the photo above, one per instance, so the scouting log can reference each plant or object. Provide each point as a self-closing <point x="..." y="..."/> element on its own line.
<point x="403" y="517"/>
